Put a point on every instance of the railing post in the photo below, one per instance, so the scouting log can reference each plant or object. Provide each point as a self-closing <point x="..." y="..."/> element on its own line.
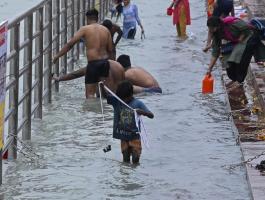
<point x="38" y="90"/>
<point x="84" y="9"/>
<point x="57" y="41"/>
<point x="13" y="93"/>
<point x="107" y="6"/>
<point x="89" y="5"/>
<point x="27" y="78"/>
<point x="48" y="52"/>
<point x="100" y="11"/>
<point x="64" y="33"/>
<point x="103" y="8"/>
<point x="71" y="26"/>
<point x="77" y="11"/>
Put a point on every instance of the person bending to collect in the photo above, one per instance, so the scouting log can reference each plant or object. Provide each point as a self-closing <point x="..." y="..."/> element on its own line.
<point x="113" y="28"/>
<point x="124" y="126"/>
<point x="142" y="80"/>
<point x="239" y="47"/>
<point x="98" y="44"/>
<point x="222" y="8"/>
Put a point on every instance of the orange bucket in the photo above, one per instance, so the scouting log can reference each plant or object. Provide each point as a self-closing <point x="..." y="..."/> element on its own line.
<point x="210" y="7"/>
<point x="169" y="11"/>
<point x="207" y="84"/>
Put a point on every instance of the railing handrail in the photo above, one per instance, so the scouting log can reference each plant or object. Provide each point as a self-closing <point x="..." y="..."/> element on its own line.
<point x="25" y="14"/>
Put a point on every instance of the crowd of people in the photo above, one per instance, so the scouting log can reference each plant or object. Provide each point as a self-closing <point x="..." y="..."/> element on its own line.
<point x="118" y="75"/>
<point x="228" y="36"/>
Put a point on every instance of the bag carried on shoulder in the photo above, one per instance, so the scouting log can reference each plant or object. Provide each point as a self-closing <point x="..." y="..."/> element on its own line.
<point x="259" y="25"/>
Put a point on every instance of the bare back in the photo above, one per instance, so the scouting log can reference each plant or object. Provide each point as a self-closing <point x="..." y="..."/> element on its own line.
<point x="98" y="42"/>
<point x="116" y="75"/>
<point x="139" y="77"/>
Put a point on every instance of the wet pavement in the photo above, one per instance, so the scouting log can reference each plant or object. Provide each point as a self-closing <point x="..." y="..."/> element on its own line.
<point x="248" y="113"/>
<point x="191" y="137"/>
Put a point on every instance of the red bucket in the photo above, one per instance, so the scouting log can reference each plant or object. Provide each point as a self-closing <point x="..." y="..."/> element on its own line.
<point x="207" y="84"/>
<point x="169" y="11"/>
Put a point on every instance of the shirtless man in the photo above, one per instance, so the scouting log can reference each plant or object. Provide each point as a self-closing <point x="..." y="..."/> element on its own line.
<point x="142" y="80"/>
<point x="113" y="28"/>
<point x="116" y="75"/>
<point x="98" y="47"/>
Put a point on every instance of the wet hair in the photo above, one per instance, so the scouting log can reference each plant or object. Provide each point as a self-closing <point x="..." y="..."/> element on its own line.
<point x="213" y="21"/>
<point x="92" y="14"/>
<point x="107" y="23"/>
<point x="124" y="60"/>
<point x="124" y="90"/>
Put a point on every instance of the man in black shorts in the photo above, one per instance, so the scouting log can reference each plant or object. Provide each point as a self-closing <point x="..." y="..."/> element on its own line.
<point x="98" y="44"/>
<point x="95" y="70"/>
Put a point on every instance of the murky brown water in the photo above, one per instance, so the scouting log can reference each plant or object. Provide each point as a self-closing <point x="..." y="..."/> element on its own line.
<point x="190" y="136"/>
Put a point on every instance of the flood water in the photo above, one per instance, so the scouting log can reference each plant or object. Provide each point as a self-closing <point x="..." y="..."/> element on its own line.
<point x="190" y="137"/>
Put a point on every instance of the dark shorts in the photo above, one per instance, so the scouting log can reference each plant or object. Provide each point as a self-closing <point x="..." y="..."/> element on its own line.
<point x="95" y="70"/>
<point x="119" y="8"/>
<point x="153" y="90"/>
<point x="131" y="33"/>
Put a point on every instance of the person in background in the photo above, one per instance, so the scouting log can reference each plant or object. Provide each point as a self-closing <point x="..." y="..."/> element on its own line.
<point x="113" y="28"/>
<point x="142" y="80"/>
<point x="242" y="40"/>
<point x="124" y="126"/>
<point x="222" y="8"/>
<point x="181" y="16"/>
<point x="130" y="18"/>
<point x="119" y="9"/>
<point x="116" y="9"/>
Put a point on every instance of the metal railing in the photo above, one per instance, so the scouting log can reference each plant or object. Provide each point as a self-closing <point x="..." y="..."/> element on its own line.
<point x="34" y="37"/>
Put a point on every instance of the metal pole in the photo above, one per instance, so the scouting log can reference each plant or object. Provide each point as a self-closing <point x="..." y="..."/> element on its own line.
<point x="48" y="53"/>
<point x="71" y="26"/>
<point x="13" y="92"/>
<point x="100" y="11"/>
<point x="64" y="33"/>
<point x="83" y="22"/>
<point x="57" y="41"/>
<point x="77" y="25"/>
<point x="27" y="78"/>
<point x="93" y="3"/>
<point x="39" y="64"/>
<point x="107" y="6"/>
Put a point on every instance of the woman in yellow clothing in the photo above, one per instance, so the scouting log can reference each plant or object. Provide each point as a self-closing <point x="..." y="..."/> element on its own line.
<point x="181" y="16"/>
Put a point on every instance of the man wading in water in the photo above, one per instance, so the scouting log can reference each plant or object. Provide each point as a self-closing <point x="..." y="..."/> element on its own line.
<point x="98" y="43"/>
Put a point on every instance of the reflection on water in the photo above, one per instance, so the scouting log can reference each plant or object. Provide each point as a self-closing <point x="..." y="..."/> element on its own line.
<point x="190" y="136"/>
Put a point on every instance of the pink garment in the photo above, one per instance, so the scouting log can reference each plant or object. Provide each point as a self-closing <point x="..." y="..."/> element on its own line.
<point x="177" y="11"/>
<point x="227" y="33"/>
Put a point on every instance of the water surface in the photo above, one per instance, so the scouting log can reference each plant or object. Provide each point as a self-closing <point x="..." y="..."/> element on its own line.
<point x="190" y="136"/>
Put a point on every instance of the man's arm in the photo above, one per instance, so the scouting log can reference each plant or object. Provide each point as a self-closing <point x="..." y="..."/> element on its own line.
<point x="76" y="38"/>
<point x="110" y="47"/>
<point x="119" y="32"/>
<point x="70" y="76"/>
